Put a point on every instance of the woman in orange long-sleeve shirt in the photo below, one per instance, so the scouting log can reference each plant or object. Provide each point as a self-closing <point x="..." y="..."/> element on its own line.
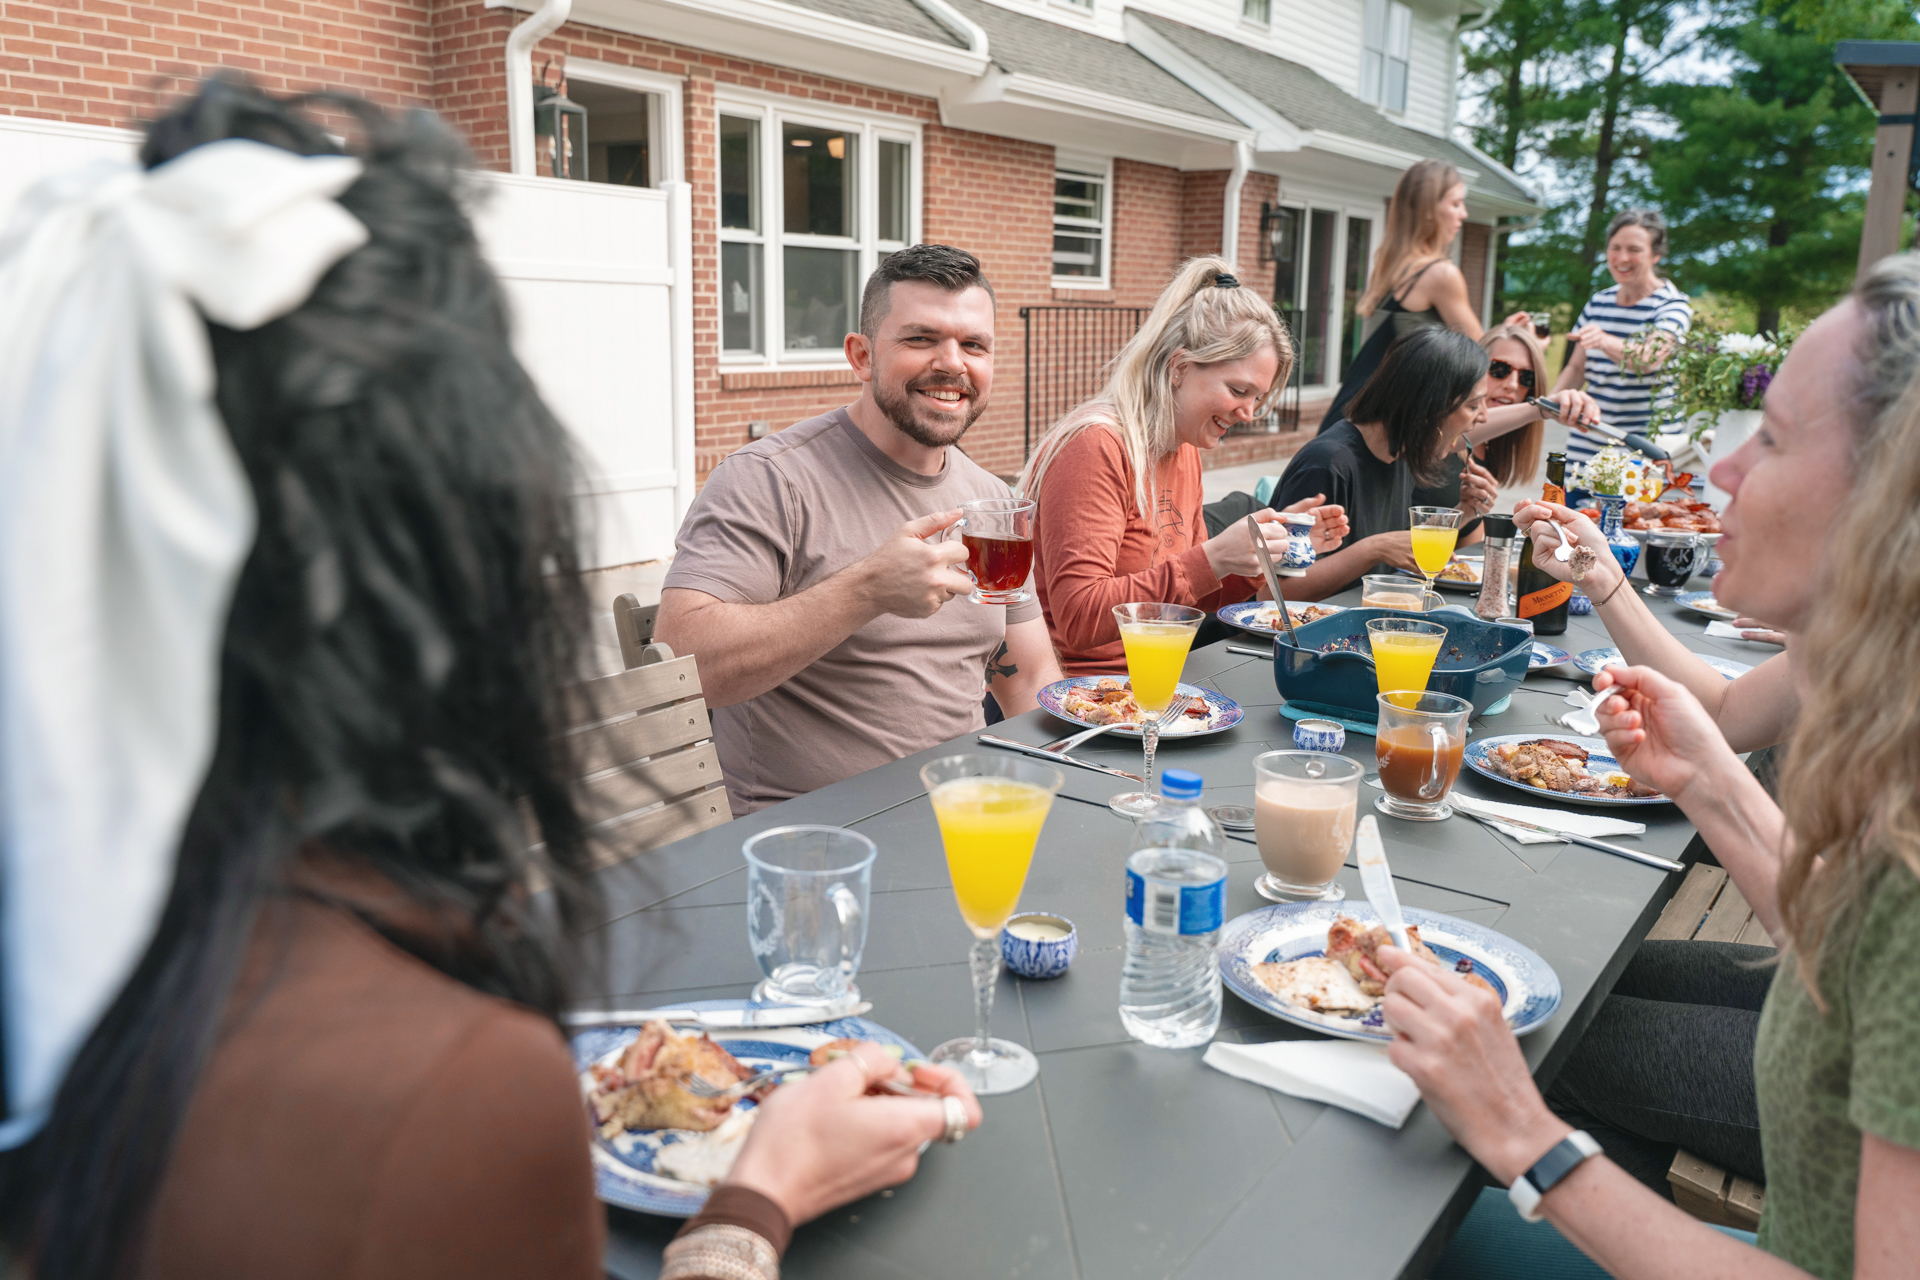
<point x="1118" y="478"/>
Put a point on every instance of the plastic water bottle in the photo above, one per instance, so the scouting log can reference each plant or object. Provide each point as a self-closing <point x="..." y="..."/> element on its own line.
<point x="1176" y="893"/>
<point x="1177" y="821"/>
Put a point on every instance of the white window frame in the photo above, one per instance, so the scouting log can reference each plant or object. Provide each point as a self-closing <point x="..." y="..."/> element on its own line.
<point x="871" y="128"/>
<point x="1307" y="206"/>
<point x="1065" y="164"/>
<point x="1257" y="13"/>
<point x="667" y="134"/>
<point x="1386" y="54"/>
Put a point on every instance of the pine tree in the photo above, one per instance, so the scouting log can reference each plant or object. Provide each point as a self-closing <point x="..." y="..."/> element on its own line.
<point x="1760" y="181"/>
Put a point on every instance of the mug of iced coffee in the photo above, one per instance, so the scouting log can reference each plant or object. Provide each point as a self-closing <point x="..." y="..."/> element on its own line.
<point x="1419" y="742"/>
<point x="1303" y="818"/>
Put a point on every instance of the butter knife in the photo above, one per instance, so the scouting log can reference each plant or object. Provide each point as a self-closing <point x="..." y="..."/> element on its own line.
<point x="1651" y="859"/>
<point x="1377" y="880"/>
<point x="1273" y="579"/>
<point x="1058" y="756"/>
<point x="783" y="1015"/>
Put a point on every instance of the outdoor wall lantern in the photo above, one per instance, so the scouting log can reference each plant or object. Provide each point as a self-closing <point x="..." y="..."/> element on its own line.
<point x="1279" y="232"/>
<point x="560" y="132"/>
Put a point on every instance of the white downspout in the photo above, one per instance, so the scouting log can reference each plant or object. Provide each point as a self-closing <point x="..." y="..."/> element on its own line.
<point x="1230" y="215"/>
<point x="958" y="23"/>
<point x="545" y="21"/>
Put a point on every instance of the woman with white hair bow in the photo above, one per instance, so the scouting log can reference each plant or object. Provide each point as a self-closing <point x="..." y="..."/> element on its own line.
<point x="289" y="599"/>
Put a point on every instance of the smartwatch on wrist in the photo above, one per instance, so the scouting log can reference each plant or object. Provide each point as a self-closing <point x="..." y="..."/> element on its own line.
<point x="1566" y="1156"/>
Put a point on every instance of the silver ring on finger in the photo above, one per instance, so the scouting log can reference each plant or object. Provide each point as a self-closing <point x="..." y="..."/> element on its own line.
<point x="956" y="1116"/>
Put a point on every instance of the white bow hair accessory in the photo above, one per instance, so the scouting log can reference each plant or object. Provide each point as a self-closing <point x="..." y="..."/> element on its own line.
<point x="125" y="518"/>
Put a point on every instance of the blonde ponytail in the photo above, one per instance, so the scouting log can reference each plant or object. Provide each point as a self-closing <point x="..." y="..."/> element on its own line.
<point x="1196" y="315"/>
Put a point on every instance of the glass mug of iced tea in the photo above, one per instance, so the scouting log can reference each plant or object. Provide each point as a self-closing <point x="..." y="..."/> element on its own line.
<point x="1419" y="744"/>
<point x="998" y="534"/>
<point x="1304" y="806"/>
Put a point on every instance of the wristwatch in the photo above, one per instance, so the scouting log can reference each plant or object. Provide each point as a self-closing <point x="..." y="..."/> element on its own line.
<point x="1566" y="1156"/>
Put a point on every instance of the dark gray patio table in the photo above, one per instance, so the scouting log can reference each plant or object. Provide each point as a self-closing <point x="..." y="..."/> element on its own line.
<point x="1124" y="1160"/>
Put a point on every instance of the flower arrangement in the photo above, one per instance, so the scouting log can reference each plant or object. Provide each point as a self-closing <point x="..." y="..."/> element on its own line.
<point x="1709" y="371"/>
<point x="1614" y="472"/>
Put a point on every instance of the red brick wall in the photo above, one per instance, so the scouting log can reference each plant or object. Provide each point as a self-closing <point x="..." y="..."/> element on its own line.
<point x="101" y="62"/>
<point x="1474" y="239"/>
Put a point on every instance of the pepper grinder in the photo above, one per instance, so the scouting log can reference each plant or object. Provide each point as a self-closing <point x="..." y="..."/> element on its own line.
<point x="1498" y="549"/>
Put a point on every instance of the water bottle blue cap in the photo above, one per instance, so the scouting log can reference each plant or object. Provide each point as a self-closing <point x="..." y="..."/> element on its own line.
<point x="1179" y="784"/>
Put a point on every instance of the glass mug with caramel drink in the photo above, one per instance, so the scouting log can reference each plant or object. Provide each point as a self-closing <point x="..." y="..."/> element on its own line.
<point x="998" y="535"/>
<point x="1304" y="805"/>
<point x="1420" y="741"/>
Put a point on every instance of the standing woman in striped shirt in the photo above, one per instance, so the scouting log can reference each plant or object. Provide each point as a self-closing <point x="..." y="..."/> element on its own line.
<point x="1638" y="300"/>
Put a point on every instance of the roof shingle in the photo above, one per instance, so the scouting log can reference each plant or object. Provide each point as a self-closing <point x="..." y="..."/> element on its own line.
<point x="1310" y="100"/>
<point x="1023" y="45"/>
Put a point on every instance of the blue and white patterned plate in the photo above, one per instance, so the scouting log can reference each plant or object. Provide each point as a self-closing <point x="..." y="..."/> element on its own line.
<point x="1222" y="712"/>
<point x="1527" y="985"/>
<point x="1703" y="602"/>
<point x="1599" y="760"/>
<point x="1546" y="655"/>
<point x="1242" y="615"/>
<point x="623" y="1167"/>
<point x="1592" y="661"/>
<point x="1476" y="563"/>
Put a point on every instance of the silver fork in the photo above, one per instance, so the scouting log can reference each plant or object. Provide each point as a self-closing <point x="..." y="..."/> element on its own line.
<point x="700" y="1087"/>
<point x="1178" y="707"/>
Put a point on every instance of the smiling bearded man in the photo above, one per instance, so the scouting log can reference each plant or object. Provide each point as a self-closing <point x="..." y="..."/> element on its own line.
<point x="832" y="635"/>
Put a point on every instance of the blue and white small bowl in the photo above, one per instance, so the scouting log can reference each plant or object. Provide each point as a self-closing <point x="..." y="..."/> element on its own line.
<point x="1580" y="605"/>
<point x="1319" y="735"/>
<point x="1039" y="957"/>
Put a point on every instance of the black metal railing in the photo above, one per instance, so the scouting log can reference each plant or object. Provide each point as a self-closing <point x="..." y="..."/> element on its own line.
<point x="1067" y="353"/>
<point x="1068" y="349"/>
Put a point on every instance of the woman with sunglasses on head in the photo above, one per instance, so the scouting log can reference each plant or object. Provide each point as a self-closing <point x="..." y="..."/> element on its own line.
<point x="1506" y="449"/>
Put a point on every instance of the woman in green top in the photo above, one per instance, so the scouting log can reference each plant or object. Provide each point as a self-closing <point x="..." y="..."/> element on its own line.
<point x="1833" y="872"/>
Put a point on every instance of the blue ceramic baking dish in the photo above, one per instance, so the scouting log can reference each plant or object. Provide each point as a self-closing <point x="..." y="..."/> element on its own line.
<point x="1330" y="671"/>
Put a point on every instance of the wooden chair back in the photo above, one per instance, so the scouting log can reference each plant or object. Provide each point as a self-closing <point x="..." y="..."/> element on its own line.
<point x="633" y="622"/>
<point x="644" y="747"/>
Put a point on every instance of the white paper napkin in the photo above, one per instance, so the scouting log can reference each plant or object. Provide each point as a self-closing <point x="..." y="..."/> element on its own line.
<point x="1559" y="819"/>
<point x="1343" y="1073"/>
<point x="1726" y="631"/>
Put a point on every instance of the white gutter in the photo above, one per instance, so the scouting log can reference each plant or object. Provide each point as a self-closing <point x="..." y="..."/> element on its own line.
<point x="959" y="23"/>
<point x="1480" y="19"/>
<point x="1230" y="214"/>
<point x="545" y="21"/>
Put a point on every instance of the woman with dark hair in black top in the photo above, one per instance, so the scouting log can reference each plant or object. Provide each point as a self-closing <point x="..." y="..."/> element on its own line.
<point x="1430" y="390"/>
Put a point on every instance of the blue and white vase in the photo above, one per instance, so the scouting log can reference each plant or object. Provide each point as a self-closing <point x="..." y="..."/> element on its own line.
<point x="1625" y="547"/>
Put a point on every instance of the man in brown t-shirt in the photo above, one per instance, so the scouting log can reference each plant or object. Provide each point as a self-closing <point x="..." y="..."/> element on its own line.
<point x="831" y="635"/>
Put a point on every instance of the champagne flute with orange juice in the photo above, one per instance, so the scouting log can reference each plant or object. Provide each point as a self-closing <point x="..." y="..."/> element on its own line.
<point x="990" y="810"/>
<point x="1404" y="651"/>
<point x="1434" y="531"/>
<point x="1156" y="638"/>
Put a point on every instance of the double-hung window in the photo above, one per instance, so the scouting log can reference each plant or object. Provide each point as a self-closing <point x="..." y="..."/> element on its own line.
<point x="808" y="206"/>
<point x="1257" y="11"/>
<point x="1386" y="47"/>
<point x="1082" y="222"/>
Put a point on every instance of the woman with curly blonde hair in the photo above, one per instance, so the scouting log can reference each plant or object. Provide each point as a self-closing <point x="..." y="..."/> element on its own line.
<point x="1118" y="478"/>
<point x="1833" y="872"/>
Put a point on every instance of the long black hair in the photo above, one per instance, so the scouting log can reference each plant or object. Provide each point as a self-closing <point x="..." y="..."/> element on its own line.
<point x="1423" y="377"/>
<point x="394" y="664"/>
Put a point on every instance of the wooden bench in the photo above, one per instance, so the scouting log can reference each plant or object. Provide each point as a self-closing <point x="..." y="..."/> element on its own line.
<point x="1709" y="907"/>
<point x="644" y="747"/>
